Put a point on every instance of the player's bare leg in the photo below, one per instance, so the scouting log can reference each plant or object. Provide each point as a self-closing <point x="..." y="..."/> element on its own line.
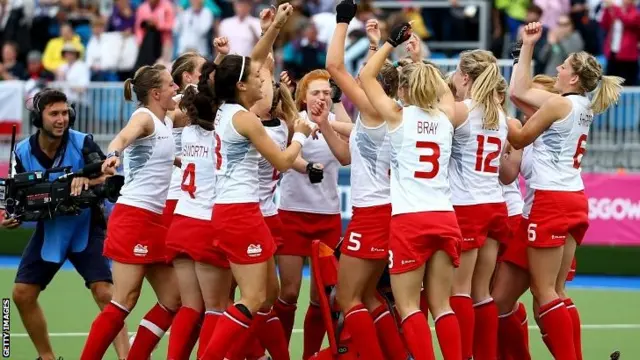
<point x="25" y="296"/>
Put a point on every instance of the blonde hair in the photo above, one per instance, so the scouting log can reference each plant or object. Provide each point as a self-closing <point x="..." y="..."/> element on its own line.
<point x="546" y="81"/>
<point x="424" y="85"/>
<point x="145" y="79"/>
<point x="501" y="90"/>
<point x="284" y="107"/>
<point x="303" y="86"/>
<point x="481" y="66"/>
<point x="590" y="71"/>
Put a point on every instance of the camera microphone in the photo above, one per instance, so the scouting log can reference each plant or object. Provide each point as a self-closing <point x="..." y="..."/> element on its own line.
<point x="87" y="171"/>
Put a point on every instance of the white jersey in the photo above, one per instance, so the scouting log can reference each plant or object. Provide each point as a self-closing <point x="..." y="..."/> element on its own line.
<point x="420" y="152"/>
<point x="475" y="158"/>
<point x="370" y="164"/>
<point x="297" y="193"/>
<point x="557" y="157"/>
<point x="526" y="170"/>
<point x="148" y="163"/>
<point x="236" y="160"/>
<point x="267" y="174"/>
<point x="198" y="173"/>
<point x="176" y="175"/>
<point x="513" y="197"/>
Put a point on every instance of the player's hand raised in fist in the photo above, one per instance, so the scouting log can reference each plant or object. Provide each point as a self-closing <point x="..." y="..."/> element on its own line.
<point x="532" y="33"/>
<point x="284" y="12"/>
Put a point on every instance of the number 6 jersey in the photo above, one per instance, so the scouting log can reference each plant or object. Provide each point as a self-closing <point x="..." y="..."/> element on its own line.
<point x="475" y="159"/>
<point x="198" y="173"/>
<point x="267" y="174"/>
<point x="420" y="152"/>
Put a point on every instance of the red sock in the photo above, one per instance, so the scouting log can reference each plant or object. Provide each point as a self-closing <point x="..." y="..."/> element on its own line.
<point x="193" y="339"/>
<point x="521" y="315"/>
<point x="415" y="327"/>
<point x="462" y="305"/>
<point x="359" y="324"/>
<point x="103" y="331"/>
<point x="272" y="337"/>
<point x="545" y="340"/>
<point x="240" y="346"/>
<point x="575" y="321"/>
<point x="388" y="334"/>
<point x="511" y="338"/>
<point x="185" y="322"/>
<point x="152" y="328"/>
<point x="255" y="350"/>
<point x="556" y="322"/>
<point x="448" y="332"/>
<point x="314" y="330"/>
<point x="287" y="314"/>
<point x="485" y="335"/>
<point x="208" y="326"/>
<point x="232" y="325"/>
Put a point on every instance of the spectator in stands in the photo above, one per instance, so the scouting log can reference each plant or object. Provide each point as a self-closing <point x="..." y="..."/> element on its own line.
<point x="561" y="42"/>
<point x="193" y="27"/>
<point x="515" y="14"/>
<point x="242" y="29"/>
<point x="552" y="10"/>
<point x="37" y="75"/>
<point x="584" y="19"/>
<point x="13" y="25"/>
<point x="305" y="53"/>
<point x="74" y="73"/>
<point x="534" y="14"/>
<point x="11" y="69"/>
<point x="314" y="7"/>
<point x="155" y="19"/>
<point x="122" y="18"/>
<point x="53" y="52"/>
<point x="44" y="16"/>
<point x="622" y="24"/>
<point x="100" y="52"/>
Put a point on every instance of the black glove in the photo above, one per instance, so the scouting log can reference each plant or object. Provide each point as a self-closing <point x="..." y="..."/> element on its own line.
<point x="399" y="34"/>
<point x="345" y="11"/>
<point x="336" y="92"/>
<point x="315" y="175"/>
<point x="515" y="51"/>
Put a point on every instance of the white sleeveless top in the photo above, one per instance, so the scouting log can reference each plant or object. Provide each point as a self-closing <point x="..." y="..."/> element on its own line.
<point x="148" y="163"/>
<point x="420" y="152"/>
<point x="475" y="158"/>
<point x="176" y="174"/>
<point x="297" y="193"/>
<point x="236" y="160"/>
<point x="526" y="170"/>
<point x="513" y="197"/>
<point x="557" y="157"/>
<point x="198" y="173"/>
<point x="267" y="174"/>
<point x="370" y="165"/>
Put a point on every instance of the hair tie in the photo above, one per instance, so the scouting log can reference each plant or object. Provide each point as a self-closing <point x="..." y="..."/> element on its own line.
<point x="194" y="86"/>
<point x="242" y="69"/>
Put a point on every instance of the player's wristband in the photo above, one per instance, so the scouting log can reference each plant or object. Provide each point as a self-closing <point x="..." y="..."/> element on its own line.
<point x="299" y="137"/>
<point x="113" y="153"/>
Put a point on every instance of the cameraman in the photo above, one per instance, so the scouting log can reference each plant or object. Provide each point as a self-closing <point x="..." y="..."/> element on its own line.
<point x="77" y="238"/>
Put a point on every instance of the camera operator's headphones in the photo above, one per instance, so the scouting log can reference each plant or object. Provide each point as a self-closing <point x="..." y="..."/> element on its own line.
<point x="36" y="112"/>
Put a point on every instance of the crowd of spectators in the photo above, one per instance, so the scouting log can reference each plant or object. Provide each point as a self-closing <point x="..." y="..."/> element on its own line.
<point x="78" y="41"/>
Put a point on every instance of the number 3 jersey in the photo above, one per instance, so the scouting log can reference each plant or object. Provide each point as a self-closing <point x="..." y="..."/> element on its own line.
<point x="198" y="173"/>
<point x="420" y="152"/>
<point x="558" y="152"/>
<point x="475" y="159"/>
<point x="267" y="174"/>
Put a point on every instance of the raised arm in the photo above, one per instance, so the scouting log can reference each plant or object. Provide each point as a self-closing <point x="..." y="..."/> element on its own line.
<point x="554" y="109"/>
<point x="335" y="58"/>
<point x="139" y="126"/>
<point x="265" y="44"/>
<point x="250" y="126"/>
<point x="521" y="81"/>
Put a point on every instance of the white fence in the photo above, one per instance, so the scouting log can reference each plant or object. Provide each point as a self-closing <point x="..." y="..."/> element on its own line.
<point x="614" y="141"/>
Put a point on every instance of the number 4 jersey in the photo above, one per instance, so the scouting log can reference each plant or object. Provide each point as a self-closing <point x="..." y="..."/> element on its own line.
<point x="420" y="152"/>
<point x="475" y="159"/>
<point x="198" y="173"/>
<point x="558" y="152"/>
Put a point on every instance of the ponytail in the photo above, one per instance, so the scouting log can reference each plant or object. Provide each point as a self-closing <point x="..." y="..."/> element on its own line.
<point x="483" y="92"/>
<point x="199" y="102"/>
<point x="128" y="96"/>
<point x="607" y="93"/>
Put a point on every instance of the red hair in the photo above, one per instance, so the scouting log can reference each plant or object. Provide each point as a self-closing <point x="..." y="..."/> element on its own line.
<point x="303" y="86"/>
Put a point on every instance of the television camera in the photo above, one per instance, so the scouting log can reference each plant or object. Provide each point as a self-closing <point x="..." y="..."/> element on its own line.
<point x="35" y="195"/>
